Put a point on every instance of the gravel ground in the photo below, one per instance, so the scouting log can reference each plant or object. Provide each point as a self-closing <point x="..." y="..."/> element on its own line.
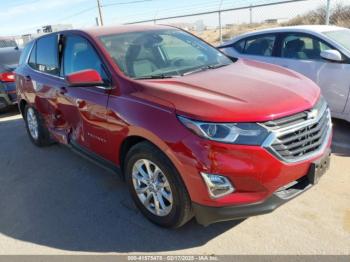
<point x="54" y="202"/>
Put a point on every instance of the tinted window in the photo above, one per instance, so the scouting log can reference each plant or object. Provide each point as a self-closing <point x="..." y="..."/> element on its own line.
<point x="239" y="46"/>
<point x="80" y="55"/>
<point x="47" y="55"/>
<point x="303" y="47"/>
<point x="260" y="45"/>
<point x="25" y="53"/>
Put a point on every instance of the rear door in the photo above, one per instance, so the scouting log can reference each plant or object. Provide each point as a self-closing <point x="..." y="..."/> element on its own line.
<point x="84" y="109"/>
<point x="301" y="52"/>
<point x="258" y="47"/>
<point x="40" y="78"/>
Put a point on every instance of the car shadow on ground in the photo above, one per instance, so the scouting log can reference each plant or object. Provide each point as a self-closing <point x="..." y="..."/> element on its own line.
<point x="341" y="138"/>
<point x="53" y="197"/>
<point x="9" y="112"/>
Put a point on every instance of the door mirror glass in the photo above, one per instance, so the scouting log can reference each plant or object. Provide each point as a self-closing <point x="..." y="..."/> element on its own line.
<point x="87" y="77"/>
<point x="332" y="55"/>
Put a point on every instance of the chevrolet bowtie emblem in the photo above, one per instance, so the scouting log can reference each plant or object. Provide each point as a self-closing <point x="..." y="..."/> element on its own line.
<point x="312" y="114"/>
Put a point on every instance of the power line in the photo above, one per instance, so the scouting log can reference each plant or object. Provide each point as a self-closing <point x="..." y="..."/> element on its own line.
<point x="215" y="11"/>
<point x="125" y="3"/>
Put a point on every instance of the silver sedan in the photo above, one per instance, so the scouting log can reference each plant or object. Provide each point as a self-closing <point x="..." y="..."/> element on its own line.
<point x="321" y="53"/>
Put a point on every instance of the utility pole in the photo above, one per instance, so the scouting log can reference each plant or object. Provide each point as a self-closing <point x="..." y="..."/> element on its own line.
<point x="328" y="11"/>
<point x="251" y="14"/>
<point x="100" y="11"/>
<point x="220" y="25"/>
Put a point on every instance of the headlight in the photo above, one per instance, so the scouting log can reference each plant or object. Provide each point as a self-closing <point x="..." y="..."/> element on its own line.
<point x="235" y="133"/>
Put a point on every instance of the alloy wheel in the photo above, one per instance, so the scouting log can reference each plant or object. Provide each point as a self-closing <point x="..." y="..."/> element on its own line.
<point x="152" y="187"/>
<point x="32" y="122"/>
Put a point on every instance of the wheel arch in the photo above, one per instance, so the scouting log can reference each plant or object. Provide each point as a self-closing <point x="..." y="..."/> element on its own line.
<point x="138" y="135"/>
<point x="22" y="104"/>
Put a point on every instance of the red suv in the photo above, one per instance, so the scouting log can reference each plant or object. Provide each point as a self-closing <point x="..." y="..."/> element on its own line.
<point x="194" y="132"/>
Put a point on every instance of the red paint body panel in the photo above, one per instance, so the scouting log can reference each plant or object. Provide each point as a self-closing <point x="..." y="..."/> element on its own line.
<point x="246" y="91"/>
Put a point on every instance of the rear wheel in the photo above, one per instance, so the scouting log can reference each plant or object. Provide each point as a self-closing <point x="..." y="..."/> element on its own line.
<point x="36" y="128"/>
<point x="156" y="187"/>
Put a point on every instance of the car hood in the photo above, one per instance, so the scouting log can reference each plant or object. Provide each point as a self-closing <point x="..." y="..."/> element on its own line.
<point x="246" y="91"/>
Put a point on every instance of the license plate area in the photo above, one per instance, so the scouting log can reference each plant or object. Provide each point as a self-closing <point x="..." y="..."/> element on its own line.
<point x="318" y="169"/>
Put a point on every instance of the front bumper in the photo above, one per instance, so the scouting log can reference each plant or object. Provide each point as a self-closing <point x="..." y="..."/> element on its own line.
<point x="206" y="215"/>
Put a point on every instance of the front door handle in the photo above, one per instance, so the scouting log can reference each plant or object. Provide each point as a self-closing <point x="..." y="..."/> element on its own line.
<point x="63" y="90"/>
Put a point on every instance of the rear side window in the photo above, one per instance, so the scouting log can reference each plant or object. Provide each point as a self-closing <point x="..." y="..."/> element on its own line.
<point x="47" y="55"/>
<point x="259" y="45"/>
<point x="25" y="53"/>
<point x="80" y="55"/>
<point x="239" y="46"/>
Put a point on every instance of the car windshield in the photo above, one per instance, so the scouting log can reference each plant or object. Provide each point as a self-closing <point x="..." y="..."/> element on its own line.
<point x="342" y="37"/>
<point x="162" y="53"/>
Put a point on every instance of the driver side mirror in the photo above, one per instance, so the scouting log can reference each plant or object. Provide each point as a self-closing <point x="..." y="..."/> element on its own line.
<point x="87" y="77"/>
<point x="332" y="55"/>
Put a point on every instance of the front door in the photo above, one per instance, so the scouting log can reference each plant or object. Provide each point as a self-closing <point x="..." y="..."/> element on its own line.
<point x="84" y="108"/>
<point x="301" y="53"/>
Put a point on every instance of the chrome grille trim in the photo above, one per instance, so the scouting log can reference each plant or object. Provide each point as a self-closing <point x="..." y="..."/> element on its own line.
<point x="302" y="139"/>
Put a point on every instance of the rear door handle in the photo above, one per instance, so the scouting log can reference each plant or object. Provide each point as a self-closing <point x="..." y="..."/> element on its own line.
<point x="80" y="103"/>
<point x="28" y="78"/>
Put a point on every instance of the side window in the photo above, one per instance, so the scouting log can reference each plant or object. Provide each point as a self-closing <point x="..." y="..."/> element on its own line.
<point x="32" y="58"/>
<point x="260" y="45"/>
<point x="25" y="53"/>
<point x="302" y="47"/>
<point x="80" y="55"/>
<point x="47" y="55"/>
<point x="239" y="46"/>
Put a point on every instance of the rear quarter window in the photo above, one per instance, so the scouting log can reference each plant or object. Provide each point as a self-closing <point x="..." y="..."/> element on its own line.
<point x="239" y="46"/>
<point x="25" y="53"/>
<point x="47" y="54"/>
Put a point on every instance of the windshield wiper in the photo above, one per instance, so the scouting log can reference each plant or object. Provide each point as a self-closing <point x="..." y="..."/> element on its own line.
<point x="153" y="77"/>
<point x="204" y="68"/>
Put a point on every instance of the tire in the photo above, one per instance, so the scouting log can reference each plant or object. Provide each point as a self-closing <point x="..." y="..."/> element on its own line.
<point x="179" y="210"/>
<point x="41" y="137"/>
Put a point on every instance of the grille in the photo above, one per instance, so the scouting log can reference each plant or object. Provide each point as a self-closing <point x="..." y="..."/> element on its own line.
<point x="297" y="136"/>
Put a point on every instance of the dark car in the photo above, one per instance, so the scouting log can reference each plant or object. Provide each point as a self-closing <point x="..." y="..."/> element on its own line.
<point x="9" y="58"/>
<point x="193" y="132"/>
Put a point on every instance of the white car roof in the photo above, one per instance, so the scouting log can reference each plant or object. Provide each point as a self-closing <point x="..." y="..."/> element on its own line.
<point x="318" y="29"/>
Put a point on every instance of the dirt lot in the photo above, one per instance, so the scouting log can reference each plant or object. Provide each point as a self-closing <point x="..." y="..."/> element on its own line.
<point x="55" y="202"/>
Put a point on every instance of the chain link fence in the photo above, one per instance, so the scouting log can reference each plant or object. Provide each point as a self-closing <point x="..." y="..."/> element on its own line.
<point x="228" y="18"/>
<point x="218" y="20"/>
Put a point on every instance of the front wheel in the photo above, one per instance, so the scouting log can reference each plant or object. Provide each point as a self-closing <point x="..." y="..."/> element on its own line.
<point x="156" y="187"/>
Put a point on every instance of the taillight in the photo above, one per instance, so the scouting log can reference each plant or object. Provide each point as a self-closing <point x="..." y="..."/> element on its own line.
<point x="7" y="77"/>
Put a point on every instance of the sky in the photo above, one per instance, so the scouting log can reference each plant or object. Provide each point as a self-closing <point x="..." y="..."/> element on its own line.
<point x="25" y="16"/>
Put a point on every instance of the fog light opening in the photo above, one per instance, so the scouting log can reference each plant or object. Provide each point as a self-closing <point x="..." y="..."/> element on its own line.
<point x="218" y="186"/>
